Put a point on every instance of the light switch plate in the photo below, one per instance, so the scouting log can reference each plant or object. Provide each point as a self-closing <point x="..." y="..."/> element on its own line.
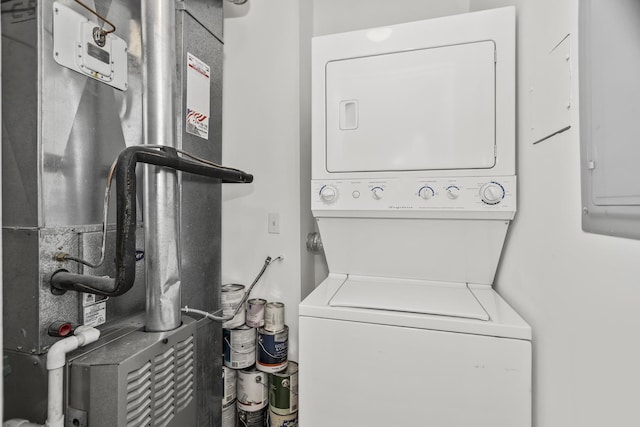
<point x="274" y="223"/>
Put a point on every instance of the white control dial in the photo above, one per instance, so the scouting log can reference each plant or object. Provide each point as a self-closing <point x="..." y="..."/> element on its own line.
<point x="453" y="192"/>
<point x="376" y="192"/>
<point x="492" y="193"/>
<point x="426" y="192"/>
<point x="328" y="193"/>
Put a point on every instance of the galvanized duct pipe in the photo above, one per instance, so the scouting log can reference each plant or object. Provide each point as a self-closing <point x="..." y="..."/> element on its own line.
<point x="161" y="194"/>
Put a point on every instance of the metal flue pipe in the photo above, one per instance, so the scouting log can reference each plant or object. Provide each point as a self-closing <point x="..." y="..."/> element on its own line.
<point x="161" y="193"/>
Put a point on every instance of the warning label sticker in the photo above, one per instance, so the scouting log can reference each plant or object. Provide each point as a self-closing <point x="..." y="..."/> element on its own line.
<point x="198" y="102"/>
<point x="94" y="315"/>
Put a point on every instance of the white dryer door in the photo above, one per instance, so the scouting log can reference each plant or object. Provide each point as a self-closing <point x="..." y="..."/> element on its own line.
<point x="424" y="109"/>
<point x="409" y="296"/>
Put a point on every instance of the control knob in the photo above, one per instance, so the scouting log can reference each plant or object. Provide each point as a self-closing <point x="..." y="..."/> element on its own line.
<point x="376" y="192"/>
<point x="453" y="192"/>
<point x="492" y="193"/>
<point x="328" y="193"/>
<point x="426" y="192"/>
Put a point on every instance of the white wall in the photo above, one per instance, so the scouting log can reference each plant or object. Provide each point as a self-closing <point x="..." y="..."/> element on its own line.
<point x="335" y="16"/>
<point x="580" y="292"/>
<point x="264" y="117"/>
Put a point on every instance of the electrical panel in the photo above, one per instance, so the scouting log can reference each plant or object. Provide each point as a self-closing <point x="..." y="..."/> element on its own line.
<point x="609" y="111"/>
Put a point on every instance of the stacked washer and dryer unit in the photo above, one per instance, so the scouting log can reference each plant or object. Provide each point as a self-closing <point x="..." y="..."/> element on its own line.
<point x="413" y="190"/>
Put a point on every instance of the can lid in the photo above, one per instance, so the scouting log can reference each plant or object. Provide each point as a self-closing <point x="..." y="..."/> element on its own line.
<point x="265" y="331"/>
<point x="252" y="370"/>
<point x="292" y="368"/>
<point x="230" y="287"/>
<point x="275" y="304"/>
<point x="243" y="328"/>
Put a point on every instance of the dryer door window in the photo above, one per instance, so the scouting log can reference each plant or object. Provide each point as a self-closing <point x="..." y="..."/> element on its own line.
<point x="425" y="109"/>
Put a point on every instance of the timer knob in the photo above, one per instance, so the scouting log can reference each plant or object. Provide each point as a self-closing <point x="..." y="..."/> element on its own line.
<point x="426" y="192"/>
<point x="328" y="193"/>
<point x="492" y="193"/>
<point x="376" y="192"/>
<point x="453" y="192"/>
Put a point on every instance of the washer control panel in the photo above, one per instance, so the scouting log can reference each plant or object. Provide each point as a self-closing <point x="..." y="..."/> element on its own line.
<point x="493" y="194"/>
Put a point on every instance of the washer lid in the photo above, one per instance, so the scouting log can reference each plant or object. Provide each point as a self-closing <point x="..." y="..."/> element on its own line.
<point x="503" y="320"/>
<point x="409" y="296"/>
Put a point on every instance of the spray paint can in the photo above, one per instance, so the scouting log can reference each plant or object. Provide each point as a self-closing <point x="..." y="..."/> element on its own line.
<point x="229" y="377"/>
<point x="229" y="415"/>
<point x="277" y="420"/>
<point x="231" y="295"/>
<point x="253" y="390"/>
<point x="252" y="419"/>
<point x="274" y="316"/>
<point x="239" y="347"/>
<point x="255" y="312"/>
<point x="283" y="390"/>
<point x="273" y="349"/>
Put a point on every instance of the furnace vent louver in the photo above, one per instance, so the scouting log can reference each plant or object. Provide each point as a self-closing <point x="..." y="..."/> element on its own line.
<point x="139" y="397"/>
<point x="164" y="388"/>
<point x="184" y="373"/>
<point x="160" y="389"/>
<point x="172" y="384"/>
<point x="154" y="374"/>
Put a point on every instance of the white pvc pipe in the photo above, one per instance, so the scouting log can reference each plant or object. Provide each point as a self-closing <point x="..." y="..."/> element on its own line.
<point x="20" y="423"/>
<point x="56" y="360"/>
<point x="55" y="414"/>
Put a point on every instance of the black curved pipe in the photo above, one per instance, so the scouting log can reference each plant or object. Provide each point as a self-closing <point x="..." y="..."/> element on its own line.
<point x="125" y="174"/>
